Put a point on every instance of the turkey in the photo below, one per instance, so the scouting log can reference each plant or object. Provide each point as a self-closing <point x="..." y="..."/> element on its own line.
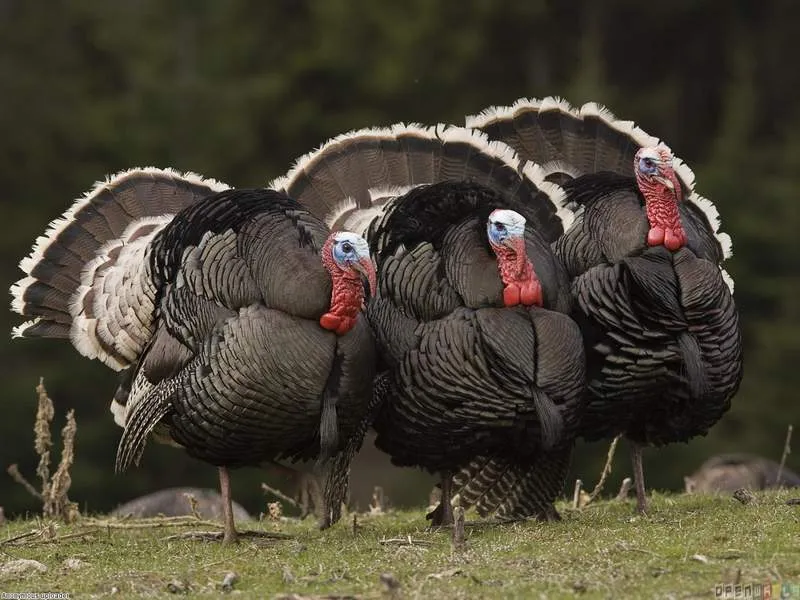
<point x="478" y="356"/>
<point x="645" y="254"/>
<point x="234" y="316"/>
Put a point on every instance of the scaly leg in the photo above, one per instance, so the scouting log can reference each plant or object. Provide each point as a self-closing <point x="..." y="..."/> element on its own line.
<point x="230" y="536"/>
<point x="446" y="516"/>
<point x="638" y="476"/>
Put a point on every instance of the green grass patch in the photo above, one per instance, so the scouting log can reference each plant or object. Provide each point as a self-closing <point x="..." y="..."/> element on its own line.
<point x="682" y="549"/>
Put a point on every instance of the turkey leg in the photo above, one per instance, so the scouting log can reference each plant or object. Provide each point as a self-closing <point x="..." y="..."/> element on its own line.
<point x="638" y="477"/>
<point x="230" y="536"/>
<point x="445" y="515"/>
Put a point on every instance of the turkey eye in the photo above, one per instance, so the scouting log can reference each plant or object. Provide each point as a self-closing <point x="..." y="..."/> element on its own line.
<point x="500" y="227"/>
<point x="347" y="247"/>
<point x="647" y="165"/>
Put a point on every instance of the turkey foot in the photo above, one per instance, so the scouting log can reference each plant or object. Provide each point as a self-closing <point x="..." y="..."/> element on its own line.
<point x="529" y="293"/>
<point x="638" y="476"/>
<point x="443" y="514"/>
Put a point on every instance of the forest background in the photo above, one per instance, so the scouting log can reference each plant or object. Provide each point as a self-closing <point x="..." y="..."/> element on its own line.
<point x="237" y="90"/>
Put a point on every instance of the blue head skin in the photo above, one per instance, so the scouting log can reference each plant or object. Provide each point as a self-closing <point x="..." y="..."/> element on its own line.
<point x="505" y="228"/>
<point x="349" y="250"/>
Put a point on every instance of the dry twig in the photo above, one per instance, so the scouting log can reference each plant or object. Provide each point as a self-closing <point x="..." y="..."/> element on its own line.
<point x="151" y="523"/>
<point x="13" y="470"/>
<point x="787" y="449"/>
<point x="625" y="488"/>
<point x="458" y="528"/>
<point x="576" y="494"/>
<point x="45" y="534"/>
<point x="280" y="495"/>
<point x="55" y="502"/>
<point x="606" y="471"/>
<point x="406" y="541"/>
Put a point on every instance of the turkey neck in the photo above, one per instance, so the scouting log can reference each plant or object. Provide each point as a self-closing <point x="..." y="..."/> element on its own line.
<point x="521" y="286"/>
<point x="661" y="207"/>
<point x="347" y="296"/>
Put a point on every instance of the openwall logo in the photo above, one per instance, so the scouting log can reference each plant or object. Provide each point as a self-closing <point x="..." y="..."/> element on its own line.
<point x="760" y="591"/>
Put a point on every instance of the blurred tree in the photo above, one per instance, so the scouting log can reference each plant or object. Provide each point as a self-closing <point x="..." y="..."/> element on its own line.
<point x="237" y="90"/>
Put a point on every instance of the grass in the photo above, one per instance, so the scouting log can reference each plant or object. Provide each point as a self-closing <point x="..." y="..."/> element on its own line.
<point x="682" y="549"/>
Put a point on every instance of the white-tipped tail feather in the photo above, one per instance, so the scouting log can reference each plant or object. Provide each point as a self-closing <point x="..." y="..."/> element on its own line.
<point x="87" y="278"/>
<point x="596" y="125"/>
<point x="349" y="179"/>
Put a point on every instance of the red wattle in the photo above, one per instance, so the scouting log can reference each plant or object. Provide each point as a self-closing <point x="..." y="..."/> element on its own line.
<point x="345" y="326"/>
<point x="655" y="237"/>
<point x="531" y="294"/>
<point x="673" y="240"/>
<point x="330" y="321"/>
<point x="511" y="295"/>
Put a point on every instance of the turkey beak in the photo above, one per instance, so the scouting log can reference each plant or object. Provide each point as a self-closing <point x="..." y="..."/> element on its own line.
<point x="366" y="269"/>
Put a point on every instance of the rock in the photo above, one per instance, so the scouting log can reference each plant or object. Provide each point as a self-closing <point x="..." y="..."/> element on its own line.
<point x="73" y="563"/>
<point x="174" y="502"/>
<point x="176" y="586"/>
<point x="729" y="472"/>
<point x="21" y="566"/>
<point x="229" y="581"/>
<point x="389" y="581"/>
<point x="744" y="496"/>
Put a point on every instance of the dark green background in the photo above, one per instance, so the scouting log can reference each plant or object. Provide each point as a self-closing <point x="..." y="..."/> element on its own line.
<point x="236" y="90"/>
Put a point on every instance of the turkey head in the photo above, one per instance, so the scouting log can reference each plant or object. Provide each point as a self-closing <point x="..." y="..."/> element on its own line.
<point x="662" y="192"/>
<point x="346" y="257"/>
<point x="506" y="232"/>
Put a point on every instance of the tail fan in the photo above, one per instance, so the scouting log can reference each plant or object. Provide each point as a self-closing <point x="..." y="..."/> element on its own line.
<point x="511" y="490"/>
<point x="350" y="179"/>
<point x="87" y="276"/>
<point x="568" y="142"/>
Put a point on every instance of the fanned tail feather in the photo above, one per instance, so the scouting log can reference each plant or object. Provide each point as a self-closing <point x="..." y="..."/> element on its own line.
<point x="568" y="142"/>
<point x="86" y="277"/>
<point x="511" y="490"/>
<point x="351" y="179"/>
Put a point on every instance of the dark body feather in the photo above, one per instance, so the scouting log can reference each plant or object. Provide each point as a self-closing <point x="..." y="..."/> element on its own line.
<point x="239" y="361"/>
